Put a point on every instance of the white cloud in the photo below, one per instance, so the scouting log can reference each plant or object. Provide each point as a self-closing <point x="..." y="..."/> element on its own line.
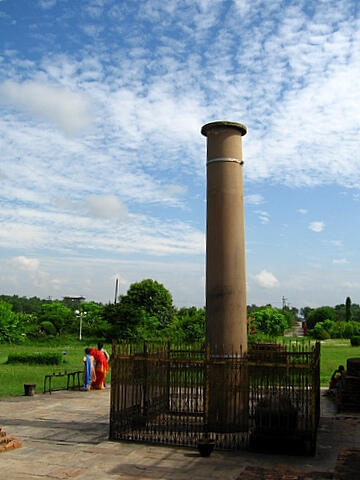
<point x="25" y="263"/>
<point x="264" y="217"/>
<point x="68" y="110"/>
<point x="47" y="4"/>
<point x="339" y="261"/>
<point x="266" y="279"/>
<point x="316" y="226"/>
<point x="175" y="190"/>
<point x="303" y="211"/>
<point x="106" y="206"/>
<point x="254" y="199"/>
<point x="154" y="84"/>
<point x="92" y="30"/>
<point x="95" y="278"/>
<point x="336" y="243"/>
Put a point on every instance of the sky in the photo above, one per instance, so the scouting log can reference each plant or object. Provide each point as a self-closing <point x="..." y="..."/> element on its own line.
<point x="102" y="164"/>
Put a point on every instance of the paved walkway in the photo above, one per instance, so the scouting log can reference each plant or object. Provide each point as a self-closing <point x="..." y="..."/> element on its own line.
<point x="296" y="330"/>
<point x="65" y="434"/>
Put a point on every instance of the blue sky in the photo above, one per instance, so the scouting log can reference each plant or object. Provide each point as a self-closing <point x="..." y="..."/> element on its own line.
<point x="102" y="164"/>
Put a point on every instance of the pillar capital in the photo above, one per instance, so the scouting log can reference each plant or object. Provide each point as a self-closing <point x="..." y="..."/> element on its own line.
<point x="223" y="125"/>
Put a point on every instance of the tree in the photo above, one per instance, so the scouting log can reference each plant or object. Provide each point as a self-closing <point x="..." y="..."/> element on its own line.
<point x="145" y="311"/>
<point x="24" y="304"/>
<point x="60" y="316"/>
<point x="123" y="319"/>
<point x="270" y="321"/>
<point x="320" y="315"/>
<point x="153" y="298"/>
<point x="340" y="312"/>
<point x="355" y="311"/>
<point x="93" y="322"/>
<point x="348" y="315"/>
<point x="188" y="325"/>
<point x="289" y="315"/>
<point x="305" y="312"/>
<point x="10" y="326"/>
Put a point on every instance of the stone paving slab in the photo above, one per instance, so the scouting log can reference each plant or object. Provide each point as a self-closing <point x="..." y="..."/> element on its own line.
<point x="65" y="434"/>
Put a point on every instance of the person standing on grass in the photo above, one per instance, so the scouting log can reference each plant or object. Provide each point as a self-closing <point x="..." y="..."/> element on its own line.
<point x="101" y="369"/>
<point x="89" y="370"/>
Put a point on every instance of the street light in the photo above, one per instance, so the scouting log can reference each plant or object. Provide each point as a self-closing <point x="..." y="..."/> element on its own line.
<point x="80" y="315"/>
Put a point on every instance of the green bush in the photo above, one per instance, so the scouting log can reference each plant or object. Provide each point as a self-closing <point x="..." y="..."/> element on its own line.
<point x="48" y="327"/>
<point x="337" y="329"/>
<point x="348" y="330"/>
<point x="319" y="332"/>
<point x="46" y="358"/>
<point x="355" y="340"/>
<point x="345" y="329"/>
<point x="320" y="315"/>
<point x="10" y="324"/>
<point x="270" y="321"/>
<point x="323" y="335"/>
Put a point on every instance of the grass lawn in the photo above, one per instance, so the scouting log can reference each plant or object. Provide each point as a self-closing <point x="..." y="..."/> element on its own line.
<point x="14" y="376"/>
<point x="334" y="352"/>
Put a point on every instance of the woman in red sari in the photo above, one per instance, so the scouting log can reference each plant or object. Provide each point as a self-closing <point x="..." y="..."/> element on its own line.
<point x="101" y="369"/>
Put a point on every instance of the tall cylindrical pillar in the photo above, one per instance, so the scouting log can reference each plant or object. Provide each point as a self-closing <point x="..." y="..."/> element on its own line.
<point x="226" y="329"/>
<point x="226" y="326"/>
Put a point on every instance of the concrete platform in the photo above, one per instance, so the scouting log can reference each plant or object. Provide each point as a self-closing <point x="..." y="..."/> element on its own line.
<point x="64" y="436"/>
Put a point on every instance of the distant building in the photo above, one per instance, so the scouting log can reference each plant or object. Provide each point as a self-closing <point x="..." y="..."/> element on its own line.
<point x="73" y="299"/>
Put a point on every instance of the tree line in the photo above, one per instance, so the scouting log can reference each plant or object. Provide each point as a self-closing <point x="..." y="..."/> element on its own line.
<point x="341" y="321"/>
<point x="147" y="312"/>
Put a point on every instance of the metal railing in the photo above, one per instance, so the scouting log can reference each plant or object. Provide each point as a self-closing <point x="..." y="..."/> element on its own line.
<point x="168" y="394"/>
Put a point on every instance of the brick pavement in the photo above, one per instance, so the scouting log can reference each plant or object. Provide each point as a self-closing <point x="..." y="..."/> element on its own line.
<point x="64" y="436"/>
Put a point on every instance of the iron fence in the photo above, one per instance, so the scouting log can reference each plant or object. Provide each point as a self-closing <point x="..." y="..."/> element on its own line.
<point x="168" y="394"/>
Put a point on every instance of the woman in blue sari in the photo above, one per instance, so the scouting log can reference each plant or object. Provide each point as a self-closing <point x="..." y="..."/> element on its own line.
<point x="89" y="370"/>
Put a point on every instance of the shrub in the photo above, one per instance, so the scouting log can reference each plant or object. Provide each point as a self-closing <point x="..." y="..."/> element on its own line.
<point x="355" y="341"/>
<point x="48" y="327"/>
<point x="344" y="329"/>
<point x="323" y="335"/>
<point x="319" y="332"/>
<point x="45" y="358"/>
<point x="320" y="315"/>
<point x="10" y="325"/>
<point x="270" y="321"/>
<point x="348" y="330"/>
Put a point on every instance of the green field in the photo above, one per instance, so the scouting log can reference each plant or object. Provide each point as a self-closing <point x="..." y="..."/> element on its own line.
<point x="14" y="376"/>
<point x="334" y="352"/>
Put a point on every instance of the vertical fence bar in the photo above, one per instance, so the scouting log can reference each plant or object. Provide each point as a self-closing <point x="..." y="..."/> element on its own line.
<point x="160" y="392"/>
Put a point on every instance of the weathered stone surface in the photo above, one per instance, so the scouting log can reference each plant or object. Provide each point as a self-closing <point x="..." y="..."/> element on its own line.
<point x="33" y="420"/>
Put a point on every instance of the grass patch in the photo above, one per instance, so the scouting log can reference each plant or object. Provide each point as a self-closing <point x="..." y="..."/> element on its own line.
<point x="335" y="352"/>
<point x="13" y="376"/>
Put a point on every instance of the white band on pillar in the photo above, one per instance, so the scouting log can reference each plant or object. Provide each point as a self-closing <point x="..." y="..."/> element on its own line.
<point x="224" y="159"/>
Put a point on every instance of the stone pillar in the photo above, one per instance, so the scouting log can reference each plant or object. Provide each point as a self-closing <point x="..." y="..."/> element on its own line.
<point x="227" y="393"/>
<point x="226" y="319"/>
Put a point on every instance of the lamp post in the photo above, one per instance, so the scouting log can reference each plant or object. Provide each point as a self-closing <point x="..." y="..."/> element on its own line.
<point x="80" y="316"/>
